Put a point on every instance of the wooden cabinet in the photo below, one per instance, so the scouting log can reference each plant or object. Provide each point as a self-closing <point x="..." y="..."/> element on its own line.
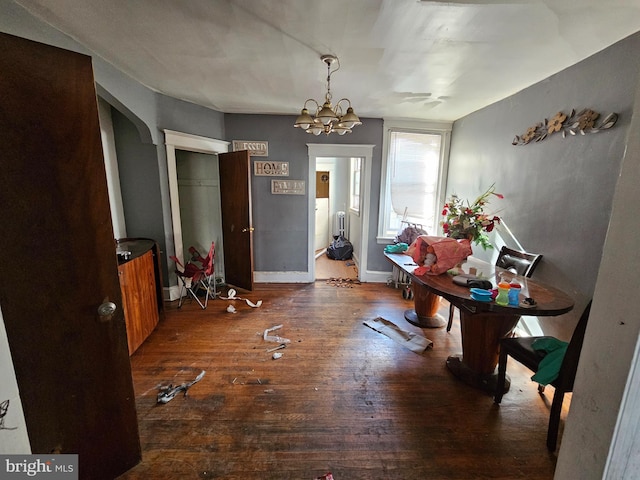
<point x="139" y="284"/>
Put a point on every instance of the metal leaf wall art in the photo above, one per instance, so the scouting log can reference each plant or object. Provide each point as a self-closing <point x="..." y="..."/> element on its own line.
<point x="583" y="122"/>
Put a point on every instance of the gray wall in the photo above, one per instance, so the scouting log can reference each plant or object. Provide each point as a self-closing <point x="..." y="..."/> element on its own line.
<point x="182" y="116"/>
<point x="558" y="192"/>
<point x="281" y="239"/>
<point x="141" y="200"/>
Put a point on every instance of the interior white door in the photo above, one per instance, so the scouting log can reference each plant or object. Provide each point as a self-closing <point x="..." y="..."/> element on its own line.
<point x="322" y="223"/>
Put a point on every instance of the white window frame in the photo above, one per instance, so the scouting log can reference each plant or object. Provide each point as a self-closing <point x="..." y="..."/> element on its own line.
<point x="438" y="128"/>
<point x="355" y="191"/>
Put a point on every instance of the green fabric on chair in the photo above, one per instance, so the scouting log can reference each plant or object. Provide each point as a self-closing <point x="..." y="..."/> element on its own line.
<point x="549" y="366"/>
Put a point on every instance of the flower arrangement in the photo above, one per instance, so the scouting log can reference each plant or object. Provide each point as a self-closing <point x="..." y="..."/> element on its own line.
<point x="469" y="220"/>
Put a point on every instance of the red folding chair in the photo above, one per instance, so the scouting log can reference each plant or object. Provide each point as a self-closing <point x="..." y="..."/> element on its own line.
<point x="193" y="277"/>
<point x="208" y="279"/>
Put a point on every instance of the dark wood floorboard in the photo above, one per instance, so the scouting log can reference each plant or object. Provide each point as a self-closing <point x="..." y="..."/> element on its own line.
<point x="342" y="399"/>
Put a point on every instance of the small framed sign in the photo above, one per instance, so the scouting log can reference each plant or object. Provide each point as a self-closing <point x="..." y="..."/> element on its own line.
<point x="270" y="169"/>
<point x="288" y="187"/>
<point x="257" y="148"/>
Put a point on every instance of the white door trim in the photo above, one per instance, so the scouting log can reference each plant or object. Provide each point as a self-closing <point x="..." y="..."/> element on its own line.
<point x="192" y="143"/>
<point x="344" y="151"/>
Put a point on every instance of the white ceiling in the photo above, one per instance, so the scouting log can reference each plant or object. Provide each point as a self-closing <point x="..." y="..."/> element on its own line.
<point x="432" y="60"/>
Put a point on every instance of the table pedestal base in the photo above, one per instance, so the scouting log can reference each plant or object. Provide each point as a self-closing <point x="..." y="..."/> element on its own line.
<point x="426" y="305"/>
<point x="485" y="382"/>
<point x="434" y="321"/>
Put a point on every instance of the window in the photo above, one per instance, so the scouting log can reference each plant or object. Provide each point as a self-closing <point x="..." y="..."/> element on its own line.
<point x="354" y="184"/>
<point x="414" y="175"/>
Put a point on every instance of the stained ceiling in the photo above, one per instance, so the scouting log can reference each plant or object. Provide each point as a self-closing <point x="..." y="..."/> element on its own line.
<point x="428" y="60"/>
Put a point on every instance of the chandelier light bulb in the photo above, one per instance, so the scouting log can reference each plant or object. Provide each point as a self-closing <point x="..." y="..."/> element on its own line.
<point x="316" y="128"/>
<point x="350" y="119"/>
<point x="341" y="129"/>
<point x="326" y="115"/>
<point x="304" y="120"/>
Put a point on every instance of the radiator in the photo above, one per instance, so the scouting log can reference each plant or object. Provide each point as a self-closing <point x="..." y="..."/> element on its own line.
<point x="340" y="227"/>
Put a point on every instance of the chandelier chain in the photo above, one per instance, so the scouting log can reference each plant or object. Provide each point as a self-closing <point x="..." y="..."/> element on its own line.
<point x="328" y="95"/>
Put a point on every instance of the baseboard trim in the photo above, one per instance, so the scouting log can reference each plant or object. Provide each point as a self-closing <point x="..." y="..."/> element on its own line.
<point x="376" y="276"/>
<point x="173" y="293"/>
<point x="282" y="277"/>
<point x="305" y="277"/>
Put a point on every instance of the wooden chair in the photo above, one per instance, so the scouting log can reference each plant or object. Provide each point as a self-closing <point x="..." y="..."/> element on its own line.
<point x="520" y="263"/>
<point x="520" y="349"/>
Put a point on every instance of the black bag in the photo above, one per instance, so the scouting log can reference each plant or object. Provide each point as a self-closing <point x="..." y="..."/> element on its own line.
<point x="340" y="248"/>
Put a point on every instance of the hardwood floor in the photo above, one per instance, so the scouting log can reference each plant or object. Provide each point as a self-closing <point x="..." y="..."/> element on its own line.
<point x="342" y="399"/>
<point x="328" y="269"/>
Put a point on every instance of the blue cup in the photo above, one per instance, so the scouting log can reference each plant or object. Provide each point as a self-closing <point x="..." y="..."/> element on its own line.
<point x="514" y="294"/>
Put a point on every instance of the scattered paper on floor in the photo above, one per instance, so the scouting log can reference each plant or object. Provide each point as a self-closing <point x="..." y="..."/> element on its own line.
<point x="413" y="341"/>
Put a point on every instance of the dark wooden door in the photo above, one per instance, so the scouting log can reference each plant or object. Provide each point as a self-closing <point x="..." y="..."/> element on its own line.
<point x="237" y="229"/>
<point x="58" y="262"/>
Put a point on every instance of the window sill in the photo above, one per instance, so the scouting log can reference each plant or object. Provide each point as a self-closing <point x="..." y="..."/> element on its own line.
<point x="385" y="240"/>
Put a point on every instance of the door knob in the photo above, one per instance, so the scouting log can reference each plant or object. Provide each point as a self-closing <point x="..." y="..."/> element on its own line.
<point x="249" y="229"/>
<point x="106" y="311"/>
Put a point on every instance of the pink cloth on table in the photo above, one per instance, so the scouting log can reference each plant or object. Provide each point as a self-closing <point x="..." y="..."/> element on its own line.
<point x="448" y="251"/>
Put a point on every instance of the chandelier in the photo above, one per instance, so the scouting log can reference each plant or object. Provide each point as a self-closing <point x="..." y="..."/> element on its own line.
<point x="327" y="118"/>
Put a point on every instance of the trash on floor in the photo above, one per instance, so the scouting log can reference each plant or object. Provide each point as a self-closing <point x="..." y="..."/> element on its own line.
<point x="414" y="342"/>
<point x="328" y="476"/>
<point x="232" y="295"/>
<point x="231" y="309"/>
<point x="166" y="393"/>
<point x="343" y="282"/>
<point x="277" y="355"/>
<point x="276" y="348"/>
<point x="274" y="338"/>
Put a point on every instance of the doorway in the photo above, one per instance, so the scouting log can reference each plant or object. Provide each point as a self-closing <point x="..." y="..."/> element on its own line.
<point x="358" y="224"/>
<point x="332" y="193"/>
<point x="191" y="192"/>
<point x="323" y="211"/>
<point x="199" y="196"/>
